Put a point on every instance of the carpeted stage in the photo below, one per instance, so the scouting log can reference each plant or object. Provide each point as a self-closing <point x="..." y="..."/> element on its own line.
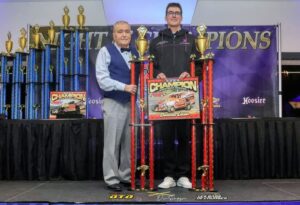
<point x="55" y="161"/>
<point x="95" y="192"/>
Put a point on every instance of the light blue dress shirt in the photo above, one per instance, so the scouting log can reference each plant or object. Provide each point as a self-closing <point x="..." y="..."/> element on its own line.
<point x="105" y="82"/>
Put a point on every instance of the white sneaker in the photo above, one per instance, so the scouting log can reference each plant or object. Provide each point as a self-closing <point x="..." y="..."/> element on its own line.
<point x="184" y="182"/>
<point x="167" y="183"/>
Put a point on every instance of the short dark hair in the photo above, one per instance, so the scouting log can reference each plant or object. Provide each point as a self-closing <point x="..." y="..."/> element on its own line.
<point x="173" y="4"/>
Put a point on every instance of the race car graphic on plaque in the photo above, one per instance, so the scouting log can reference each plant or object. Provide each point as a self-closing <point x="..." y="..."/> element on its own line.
<point x="173" y="99"/>
<point x="67" y="104"/>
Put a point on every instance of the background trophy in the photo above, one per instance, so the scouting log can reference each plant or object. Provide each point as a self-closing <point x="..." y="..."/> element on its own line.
<point x="65" y="71"/>
<point x="9" y="44"/>
<point x="34" y="77"/>
<point x="80" y="17"/>
<point x="66" y="18"/>
<point x="6" y="67"/>
<point x="18" y="73"/>
<point x="51" y="33"/>
<point x="51" y="65"/>
<point x="22" y="40"/>
<point x="81" y="63"/>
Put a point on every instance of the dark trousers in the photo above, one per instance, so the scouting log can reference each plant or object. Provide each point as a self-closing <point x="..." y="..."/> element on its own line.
<point x="175" y="135"/>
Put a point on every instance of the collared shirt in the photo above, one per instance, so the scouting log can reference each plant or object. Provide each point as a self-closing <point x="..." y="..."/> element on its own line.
<point x="105" y="82"/>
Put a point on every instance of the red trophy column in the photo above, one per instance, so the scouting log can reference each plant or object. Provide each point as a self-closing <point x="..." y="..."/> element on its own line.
<point x="210" y="125"/>
<point x="193" y="137"/>
<point x="151" y="139"/>
<point x="202" y="43"/>
<point x="132" y="129"/>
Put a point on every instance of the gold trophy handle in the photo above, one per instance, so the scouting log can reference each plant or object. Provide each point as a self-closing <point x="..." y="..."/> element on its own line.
<point x="204" y="168"/>
<point x="143" y="168"/>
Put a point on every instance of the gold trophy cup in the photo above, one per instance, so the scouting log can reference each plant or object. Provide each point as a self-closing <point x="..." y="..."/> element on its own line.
<point x="22" y="40"/>
<point x="51" y="33"/>
<point x="201" y="41"/>
<point x="66" y="18"/>
<point x="81" y="17"/>
<point x="36" y="36"/>
<point x="141" y="42"/>
<point x="9" y="44"/>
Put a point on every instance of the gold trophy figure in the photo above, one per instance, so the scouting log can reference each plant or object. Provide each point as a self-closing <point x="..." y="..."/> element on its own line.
<point x="66" y="18"/>
<point x="9" y="44"/>
<point x="36" y="36"/>
<point x="51" y="33"/>
<point x="80" y="17"/>
<point x="201" y="41"/>
<point x="22" y="40"/>
<point x="141" y="42"/>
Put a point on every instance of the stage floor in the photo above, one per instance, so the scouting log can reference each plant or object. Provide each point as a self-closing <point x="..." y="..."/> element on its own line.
<point x="95" y="191"/>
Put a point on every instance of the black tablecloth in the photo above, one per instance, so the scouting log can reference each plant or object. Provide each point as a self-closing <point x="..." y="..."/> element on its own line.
<point x="72" y="149"/>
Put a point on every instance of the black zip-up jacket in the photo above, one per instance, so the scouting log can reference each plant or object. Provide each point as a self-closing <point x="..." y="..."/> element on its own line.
<point x="172" y="52"/>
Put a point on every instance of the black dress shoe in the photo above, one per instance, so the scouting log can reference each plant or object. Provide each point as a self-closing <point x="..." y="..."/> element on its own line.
<point x="126" y="184"/>
<point x="114" y="187"/>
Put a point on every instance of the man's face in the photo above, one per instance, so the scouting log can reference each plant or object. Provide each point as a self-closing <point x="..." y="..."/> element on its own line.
<point x="173" y="17"/>
<point x="122" y="35"/>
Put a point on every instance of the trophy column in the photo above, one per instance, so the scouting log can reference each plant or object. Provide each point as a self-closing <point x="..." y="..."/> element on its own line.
<point x="81" y="71"/>
<point x="141" y="44"/>
<point x="50" y="69"/>
<point x="66" y="65"/>
<point x="35" y="77"/>
<point x="17" y="82"/>
<point x="6" y="67"/>
<point x="4" y="82"/>
<point x="35" y="94"/>
<point x="207" y="179"/>
<point x="143" y="167"/>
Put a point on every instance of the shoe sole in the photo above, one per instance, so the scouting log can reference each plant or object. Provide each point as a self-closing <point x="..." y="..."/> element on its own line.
<point x="180" y="185"/>
<point x="171" y="186"/>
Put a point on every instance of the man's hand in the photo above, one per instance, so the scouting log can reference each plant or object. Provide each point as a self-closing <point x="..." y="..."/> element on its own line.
<point x="130" y="89"/>
<point x="161" y="76"/>
<point x="184" y="75"/>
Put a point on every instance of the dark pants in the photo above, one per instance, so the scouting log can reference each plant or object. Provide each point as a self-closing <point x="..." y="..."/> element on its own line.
<point x="175" y="135"/>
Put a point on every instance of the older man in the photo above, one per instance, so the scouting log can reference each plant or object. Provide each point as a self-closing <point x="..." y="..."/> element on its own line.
<point x="113" y="76"/>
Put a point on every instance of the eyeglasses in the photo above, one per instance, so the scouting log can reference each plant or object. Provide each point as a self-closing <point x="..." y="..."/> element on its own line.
<point x="174" y="13"/>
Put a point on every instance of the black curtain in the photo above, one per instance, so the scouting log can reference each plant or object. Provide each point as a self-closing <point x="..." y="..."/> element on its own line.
<point x="72" y="149"/>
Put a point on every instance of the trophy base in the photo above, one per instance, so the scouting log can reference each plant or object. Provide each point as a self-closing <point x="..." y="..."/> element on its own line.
<point x="81" y="29"/>
<point x="36" y="48"/>
<point x="51" y="44"/>
<point x="9" y="55"/>
<point x="22" y="52"/>
<point x="67" y="29"/>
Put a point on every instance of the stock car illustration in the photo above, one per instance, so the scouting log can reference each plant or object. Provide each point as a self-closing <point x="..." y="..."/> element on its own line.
<point x="175" y="101"/>
<point x="70" y="107"/>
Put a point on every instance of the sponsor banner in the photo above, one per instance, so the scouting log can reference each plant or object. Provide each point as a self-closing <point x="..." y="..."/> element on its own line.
<point x="173" y="99"/>
<point x="245" y="68"/>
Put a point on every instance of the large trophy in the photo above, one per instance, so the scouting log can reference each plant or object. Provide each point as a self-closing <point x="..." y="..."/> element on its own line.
<point x="18" y="73"/>
<point x="81" y="57"/>
<point x="34" y="77"/>
<point x="51" y="65"/>
<point x="207" y="178"/>
<point x="74" y="65"/>
<point x="65" y="63"/>
<point x="7" y="59"/>
<point x="142" y="46"/>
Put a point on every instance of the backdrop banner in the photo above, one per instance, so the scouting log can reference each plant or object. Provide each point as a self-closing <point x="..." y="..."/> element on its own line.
<point x="245" y="68"/>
